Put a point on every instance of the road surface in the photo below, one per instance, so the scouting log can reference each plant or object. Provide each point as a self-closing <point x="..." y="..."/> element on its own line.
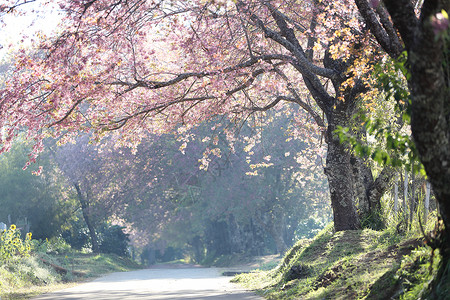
<point x="158" y="283"/>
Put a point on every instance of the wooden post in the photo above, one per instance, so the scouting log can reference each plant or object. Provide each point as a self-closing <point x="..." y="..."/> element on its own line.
<point x="405" y="197"/>
<point x="411" y="199"/>
<point x="427" y="202"/>
<point x="396" y="193"/>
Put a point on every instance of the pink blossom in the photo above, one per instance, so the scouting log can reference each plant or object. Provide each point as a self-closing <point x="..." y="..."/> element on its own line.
<point x="440" y="23"/>
<point x="374" y="3"/>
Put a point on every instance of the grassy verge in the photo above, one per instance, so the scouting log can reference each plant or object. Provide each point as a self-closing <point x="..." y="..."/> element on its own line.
<point x="363" y="264"/>
<point x="25" y="277"/>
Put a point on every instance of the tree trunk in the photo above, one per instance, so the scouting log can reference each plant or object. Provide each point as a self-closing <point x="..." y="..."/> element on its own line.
<point x="87" y="218"/>
<point x="339" y="173"/>
<point x="430" y="127"/>
<point x="362" y="178"/>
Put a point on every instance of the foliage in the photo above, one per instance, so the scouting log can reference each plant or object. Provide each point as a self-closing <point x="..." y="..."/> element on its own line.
<point x="55" y="245"/>
<point x="387" y="126"/>
<point x="22" y="274"/>
<point x="374" y="220"/>
<point x="77" y="235"/>
<point x="190" y="194"/>
<point x="416" y="273"/>
<point x="113" y="240"/>
<point x="259" y="56"/>
<point x="12" y="245"/>
<point x="308" y="228"/>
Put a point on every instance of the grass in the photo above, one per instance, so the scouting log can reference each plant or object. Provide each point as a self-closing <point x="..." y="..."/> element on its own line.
<point x="26" y="277"/>
<point x="364" y="264"/>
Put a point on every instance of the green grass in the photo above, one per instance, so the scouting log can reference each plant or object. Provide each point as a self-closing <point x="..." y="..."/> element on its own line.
<point x="363" y="264"/>
<point x="23" y="278"/>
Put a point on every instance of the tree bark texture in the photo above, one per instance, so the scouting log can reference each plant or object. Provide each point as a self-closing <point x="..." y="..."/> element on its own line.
<point x="339" y="173"/>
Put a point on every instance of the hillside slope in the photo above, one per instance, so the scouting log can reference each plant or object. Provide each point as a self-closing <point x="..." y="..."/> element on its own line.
<point x="363" y="264"/>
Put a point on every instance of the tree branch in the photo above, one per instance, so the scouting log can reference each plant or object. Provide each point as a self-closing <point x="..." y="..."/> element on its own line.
<point x="404" y="18"/>
<point x="380" y="33"/>
<point x="180" y="77"/>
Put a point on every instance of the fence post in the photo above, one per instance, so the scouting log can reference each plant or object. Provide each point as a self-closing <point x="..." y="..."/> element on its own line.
<point x="412" y="198"/>
<point x="427" y="202"/>
<point x="396" y="193"/>
<point x="405" y="197"/>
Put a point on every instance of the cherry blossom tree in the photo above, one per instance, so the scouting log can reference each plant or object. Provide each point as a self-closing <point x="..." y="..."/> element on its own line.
<point x="133" y="67"/>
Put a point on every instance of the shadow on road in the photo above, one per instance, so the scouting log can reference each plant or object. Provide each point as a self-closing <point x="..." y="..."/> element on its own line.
<point x="158" y="283"/>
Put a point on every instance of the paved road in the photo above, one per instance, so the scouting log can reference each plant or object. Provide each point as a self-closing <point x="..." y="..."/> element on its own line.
<point x="163" y="283"/>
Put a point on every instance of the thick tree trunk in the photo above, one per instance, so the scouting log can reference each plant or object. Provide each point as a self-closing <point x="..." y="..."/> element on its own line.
<point x="87" y="218"/>
<point x="339" y="172"/>
<point x="374" y="189"/>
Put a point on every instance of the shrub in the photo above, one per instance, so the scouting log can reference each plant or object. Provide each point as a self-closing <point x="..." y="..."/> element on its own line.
<point x="55" y="245"/>
<point x="113" y="240"/>
<point x="77" y="237"/>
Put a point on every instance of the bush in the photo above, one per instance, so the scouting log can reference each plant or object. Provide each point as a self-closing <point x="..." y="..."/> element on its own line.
<point x="77" y="237"/>
<point x="112" y="239"/>
<point x="56" y="245"/>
